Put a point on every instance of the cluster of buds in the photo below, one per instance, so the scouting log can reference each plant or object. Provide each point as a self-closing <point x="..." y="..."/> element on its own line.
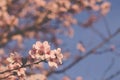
<point x="42" y="51"/>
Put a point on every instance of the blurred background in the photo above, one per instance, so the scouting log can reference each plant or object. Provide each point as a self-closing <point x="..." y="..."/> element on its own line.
<point x="87" y="31"/>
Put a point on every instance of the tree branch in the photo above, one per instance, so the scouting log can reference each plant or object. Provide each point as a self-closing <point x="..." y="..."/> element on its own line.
<point x="86" y="55"/>
<point x="113" y="76"/>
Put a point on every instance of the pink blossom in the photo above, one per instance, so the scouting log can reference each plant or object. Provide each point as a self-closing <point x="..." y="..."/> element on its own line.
<point x="42" y="51"/>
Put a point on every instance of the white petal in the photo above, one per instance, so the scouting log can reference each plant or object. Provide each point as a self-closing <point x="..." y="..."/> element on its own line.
<point x="47" y="56"/>
<point x="53" y="64"/>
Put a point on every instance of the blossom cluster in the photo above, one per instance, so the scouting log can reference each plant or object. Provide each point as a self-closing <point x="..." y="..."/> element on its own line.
<point x="39" y="52"/>
<point x="15" y="63"/>
<point x="42" y="51"/>
<point x="98" y="5"/>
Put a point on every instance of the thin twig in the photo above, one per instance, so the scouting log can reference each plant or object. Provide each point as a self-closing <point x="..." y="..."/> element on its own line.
<point x="27" y="65"/>
<point x="106" y="26"/>
<point x="113" y="75"/>
<point x="98" y="33"/>
<point x="108" y="69"/>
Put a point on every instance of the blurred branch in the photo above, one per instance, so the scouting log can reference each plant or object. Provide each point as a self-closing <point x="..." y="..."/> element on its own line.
<point x="3" y="78"/>
<point x="106" y="26"/>
<point x="5" y="37"/>
<point x="109" y="67"/>
<point x="113" y="76"/>
<point x="22" y="32"/>
<point x="86" y="55"/>
<point x="16" y="15"/>
<point x="99" y="33"/>
<point x="110" y="49"/>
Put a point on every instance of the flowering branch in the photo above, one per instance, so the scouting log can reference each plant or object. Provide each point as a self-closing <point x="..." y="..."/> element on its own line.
<point x="40" y="52"/>
<point x="27" y="65"/>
